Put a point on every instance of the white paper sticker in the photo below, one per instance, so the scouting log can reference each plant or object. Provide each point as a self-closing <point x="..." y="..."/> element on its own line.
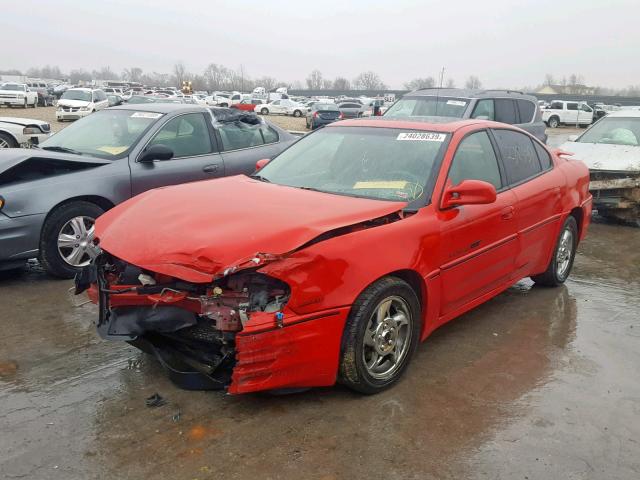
<point x="422" y="136"/>
<point x="145" y="115"/>
<point x="457" y="103"/>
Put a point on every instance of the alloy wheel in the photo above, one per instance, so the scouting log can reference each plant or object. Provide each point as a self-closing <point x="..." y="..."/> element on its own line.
<point x="564" y="253"/>
<point x="387" y="337"/>
<point x="75" y="241"/>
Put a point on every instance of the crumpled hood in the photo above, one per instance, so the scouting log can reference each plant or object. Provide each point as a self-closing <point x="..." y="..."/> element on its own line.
<point x="603" y="157"/>
<point x="10" y="157"/>
<point x="202" y="230"/>
<point x="21" y="121"/>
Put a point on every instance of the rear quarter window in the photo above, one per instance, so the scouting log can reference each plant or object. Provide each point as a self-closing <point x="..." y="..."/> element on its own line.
<point x="543" y="156"/>
<point x="526" y="109"/>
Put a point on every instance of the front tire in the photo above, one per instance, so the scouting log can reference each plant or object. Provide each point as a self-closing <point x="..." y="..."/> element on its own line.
<point x="297" y="113"/>
<point x="264" y="111"/>
<point x="66" y="241"/>
<point x="561" y="261"/>
<point x="380" y="336"/>
<point x="7" y="141"/>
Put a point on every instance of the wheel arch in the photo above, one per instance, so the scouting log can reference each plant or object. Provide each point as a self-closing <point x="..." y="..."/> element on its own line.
<point x="578" y="214"/>
<point x="101" y="202"/>
<point x="7" y="132"/>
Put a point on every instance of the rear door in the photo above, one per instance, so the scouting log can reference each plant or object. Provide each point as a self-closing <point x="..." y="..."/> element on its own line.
<point x="479" y="242"/>
<point x="571" y="113"/>
<point x="196" y="155"/>
<point x="537" y="189"/>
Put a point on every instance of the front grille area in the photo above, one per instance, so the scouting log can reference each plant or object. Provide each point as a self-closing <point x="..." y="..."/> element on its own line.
<point x="70" y="109"/>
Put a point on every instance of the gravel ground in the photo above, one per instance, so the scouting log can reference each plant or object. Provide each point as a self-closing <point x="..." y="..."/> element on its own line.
<point x="48" y="114"/>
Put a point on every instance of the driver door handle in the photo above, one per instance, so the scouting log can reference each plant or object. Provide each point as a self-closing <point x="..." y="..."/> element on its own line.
<point x="213" y="168"/>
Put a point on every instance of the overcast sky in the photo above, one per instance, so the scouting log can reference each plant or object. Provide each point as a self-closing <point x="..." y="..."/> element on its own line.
<point x="506" y="43"/>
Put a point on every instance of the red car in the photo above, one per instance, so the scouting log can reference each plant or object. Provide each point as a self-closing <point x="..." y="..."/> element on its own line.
<point x="247" y="105"/>
<point x="333" y="261"/>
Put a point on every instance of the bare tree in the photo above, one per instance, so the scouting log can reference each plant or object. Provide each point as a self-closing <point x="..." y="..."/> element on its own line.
<point x="451" y="83"/>
<point x="269" y="83"/>
<point x="368" y="81"/>
<point x="341" y="83"/>
<point x="216" y="76"/>
<point x="417" y="83"/>
<point x="77" y="76"/>
<point x="473" y="82"/>
<point x="180" y="72"/>
<point x="132" y="74"/>
<point x="105" y="73"/>
<point x="327" y="84"/>
<point x="314" y="80"/>
<point x="575" y="79"/>
<point x="549" y="80"/>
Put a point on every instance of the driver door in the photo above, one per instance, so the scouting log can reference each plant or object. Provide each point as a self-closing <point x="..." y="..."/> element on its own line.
<point x="196" y="156"/>
<point x="479" y="242"/>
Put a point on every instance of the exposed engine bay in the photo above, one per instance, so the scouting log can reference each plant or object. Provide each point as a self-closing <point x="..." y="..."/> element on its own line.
<point x="189" y="327"/>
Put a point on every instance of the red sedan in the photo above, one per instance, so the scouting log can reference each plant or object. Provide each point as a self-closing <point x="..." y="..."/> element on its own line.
<point x="338" y="257"/>
<point x="247" y="105"/>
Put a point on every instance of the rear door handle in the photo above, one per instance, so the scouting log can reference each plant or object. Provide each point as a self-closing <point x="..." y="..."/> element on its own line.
<point x="507" y="213"/>
<point x="210" y="168"/>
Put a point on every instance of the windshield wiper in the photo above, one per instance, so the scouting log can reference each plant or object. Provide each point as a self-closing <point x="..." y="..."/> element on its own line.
<point x="62" y="149"/>
<point x="260" y="178"/>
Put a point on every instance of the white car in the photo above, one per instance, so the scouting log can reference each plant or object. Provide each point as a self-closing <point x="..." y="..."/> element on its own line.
<point x="17" y="94"/>
<point x="22" y="132"/>
<point x="611" y="150"/>
<point x="282" y="107"/>
<point x="79" y="102"/>
<point x="561" y="112"/>
<point x="112" y="91"/>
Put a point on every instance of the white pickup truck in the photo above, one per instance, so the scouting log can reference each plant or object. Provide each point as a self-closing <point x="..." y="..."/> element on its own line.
<point x="18" y="94"/>
<point x="561" y="112"/>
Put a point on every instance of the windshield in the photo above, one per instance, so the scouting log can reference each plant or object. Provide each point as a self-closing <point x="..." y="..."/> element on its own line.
<point x="376" y="163"/>
<point x="616" y="131"/>
<point x="428" y="107"/>
<point x="12" y="86"/>
<point x="105" y="134"/>
<point x="77" y="95"/>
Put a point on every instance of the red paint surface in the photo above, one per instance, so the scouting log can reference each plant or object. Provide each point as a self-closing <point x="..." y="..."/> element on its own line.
<point x="461" y="256"/>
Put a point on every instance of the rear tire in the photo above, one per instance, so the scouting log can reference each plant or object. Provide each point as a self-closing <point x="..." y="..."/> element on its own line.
<point x="564" y="253"/>
<point x="264" y="111"/>
<point x="297" y="113"/>
<point x="35" y="103"/>
<point x="50" y="256"/>
<point x="554" y="122"/>
<point x="380" y="336"/>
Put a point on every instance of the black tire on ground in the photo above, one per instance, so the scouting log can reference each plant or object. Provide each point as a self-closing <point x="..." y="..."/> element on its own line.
<point x="297" y="113"/>
<point x="352" y="371"/>
<point x="8" y="140"/>
<point x="50" y="257"/>
<point x="35" y="102"/>
<point x="264" y="111"/>
<point x="551" y="277"/>
<point x="25" y="103"/>
<point x="554" y="122"/>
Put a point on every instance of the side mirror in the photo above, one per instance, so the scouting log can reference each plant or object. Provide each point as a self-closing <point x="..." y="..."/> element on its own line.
<point x="468" y="192"/>
<point x="156" y="152"/>
<point x="262" y="163"/>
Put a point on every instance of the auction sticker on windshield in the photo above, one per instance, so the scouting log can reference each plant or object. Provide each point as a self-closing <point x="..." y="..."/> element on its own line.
<point x="146" y="115"/>
<point x="422" y="136"/>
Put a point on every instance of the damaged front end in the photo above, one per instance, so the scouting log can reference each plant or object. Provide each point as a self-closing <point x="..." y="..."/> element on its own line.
<point x="190" y="328"/>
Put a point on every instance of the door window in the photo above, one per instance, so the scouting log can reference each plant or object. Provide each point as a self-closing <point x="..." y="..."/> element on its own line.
<point x="484" y="109"/>
<point x="475" y="159"/>
<point x="505" y="111"/>
<point x="187" y="135"/>
<point x="585" y="108"/>
<point x="572" y="106"/>
<point x="518" y="155"/>
<point x="556" y="106"/>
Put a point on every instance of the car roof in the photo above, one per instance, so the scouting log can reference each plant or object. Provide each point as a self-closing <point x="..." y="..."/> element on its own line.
<point x="624" y="114"/>
<point x="161" y="107"/>
<point x="468" y="93"/>
<point x="83" y="89"/>
<point x="432" y="124"/>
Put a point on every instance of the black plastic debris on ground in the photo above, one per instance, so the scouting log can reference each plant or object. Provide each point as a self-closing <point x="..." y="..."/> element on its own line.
<point x="155" y="400"/>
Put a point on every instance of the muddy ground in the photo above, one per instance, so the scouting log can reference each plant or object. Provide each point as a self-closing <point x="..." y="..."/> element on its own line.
<point x="536" y="384"/>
